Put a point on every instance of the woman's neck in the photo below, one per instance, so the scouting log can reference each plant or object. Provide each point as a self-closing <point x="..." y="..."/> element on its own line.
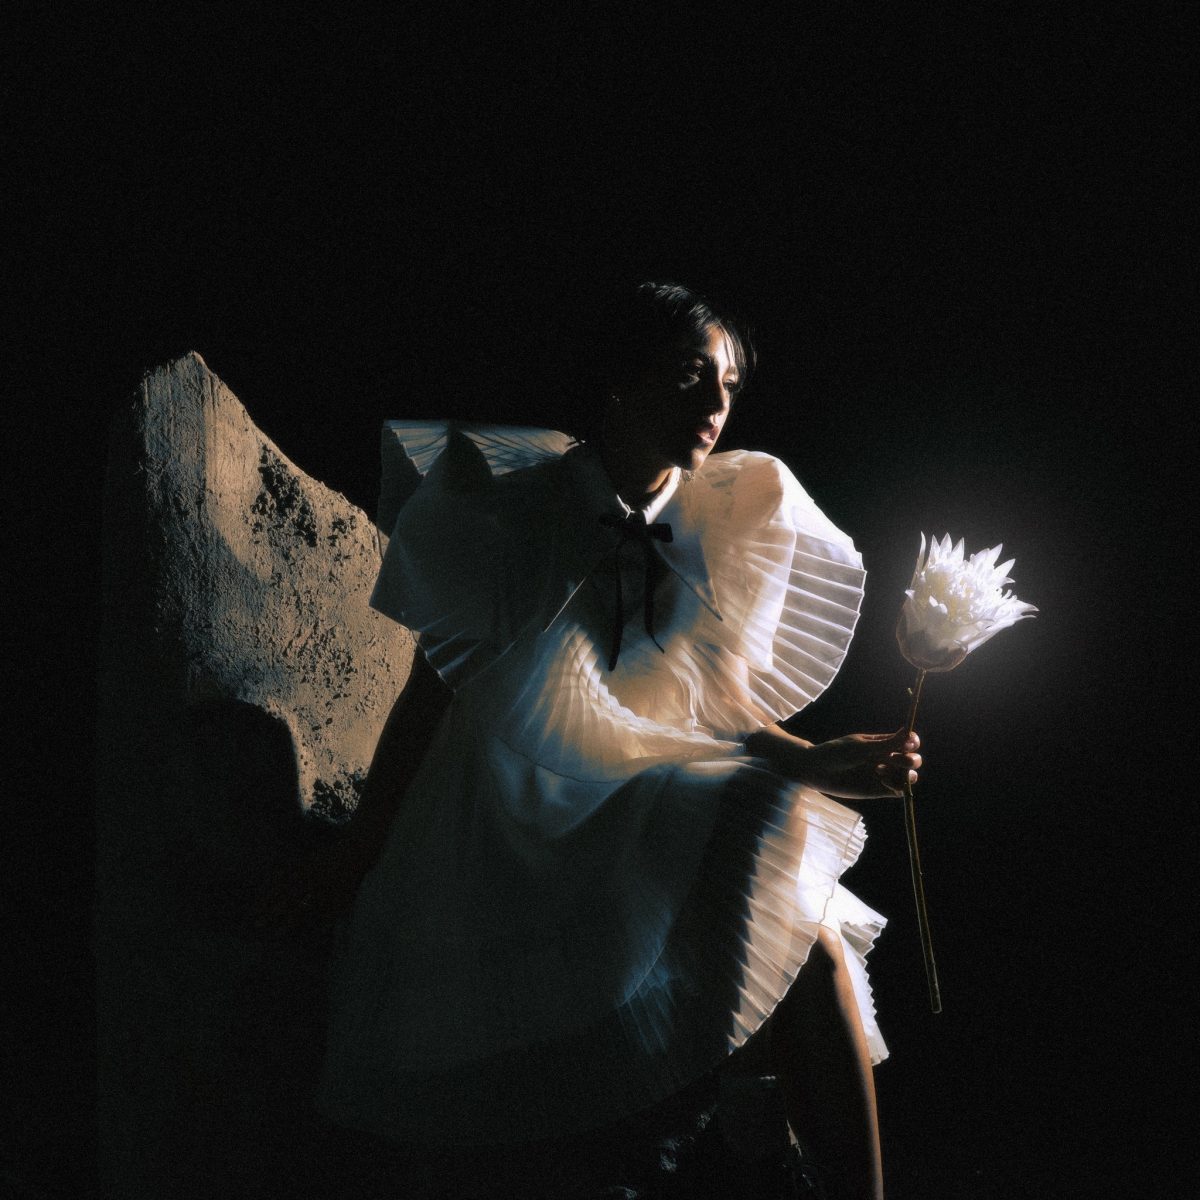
<point x="636" y="481"/>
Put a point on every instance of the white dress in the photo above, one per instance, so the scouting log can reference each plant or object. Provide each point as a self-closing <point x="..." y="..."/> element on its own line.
<point x="591" y="894"/>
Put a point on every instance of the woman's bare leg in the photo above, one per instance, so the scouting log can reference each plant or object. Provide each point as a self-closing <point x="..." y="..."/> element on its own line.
<point x="819" y="1051"/>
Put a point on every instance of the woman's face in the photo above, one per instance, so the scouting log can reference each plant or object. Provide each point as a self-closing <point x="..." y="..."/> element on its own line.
<point x="677" y="411"/>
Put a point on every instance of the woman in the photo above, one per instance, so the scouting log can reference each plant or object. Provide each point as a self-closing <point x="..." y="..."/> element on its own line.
<point x="611" y="867"/>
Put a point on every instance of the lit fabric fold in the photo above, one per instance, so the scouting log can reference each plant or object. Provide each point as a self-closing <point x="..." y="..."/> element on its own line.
<point x="788" y="585"/>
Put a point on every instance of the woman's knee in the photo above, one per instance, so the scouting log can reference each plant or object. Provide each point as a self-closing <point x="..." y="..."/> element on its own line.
<point x="823" y="972"/>
<point x="826" y="954"/>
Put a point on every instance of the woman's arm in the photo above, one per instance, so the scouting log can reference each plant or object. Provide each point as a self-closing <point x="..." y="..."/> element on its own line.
<point x="860" y="766"/>
<point x="324" y="884"/>
<point x="399" y="753"/>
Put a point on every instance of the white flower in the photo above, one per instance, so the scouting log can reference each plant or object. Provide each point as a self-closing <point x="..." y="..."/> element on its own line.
<point x="953" y="606"/>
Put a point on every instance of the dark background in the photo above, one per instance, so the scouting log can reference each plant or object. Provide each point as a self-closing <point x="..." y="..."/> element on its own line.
<point x="956" y="232"/>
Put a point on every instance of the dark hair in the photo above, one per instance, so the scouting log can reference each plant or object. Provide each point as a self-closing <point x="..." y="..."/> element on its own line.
<point x="646" y="319"/>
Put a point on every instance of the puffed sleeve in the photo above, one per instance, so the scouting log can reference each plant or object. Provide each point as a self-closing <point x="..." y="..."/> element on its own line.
<point x="788" y="588"/>
<point x="466" y="561"/>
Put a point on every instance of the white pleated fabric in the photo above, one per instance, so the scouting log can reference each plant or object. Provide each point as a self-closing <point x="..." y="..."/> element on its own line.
<point x="592" y="895"/>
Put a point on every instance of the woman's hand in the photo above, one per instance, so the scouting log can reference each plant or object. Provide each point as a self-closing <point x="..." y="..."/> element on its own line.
<point x="860" y="766"/>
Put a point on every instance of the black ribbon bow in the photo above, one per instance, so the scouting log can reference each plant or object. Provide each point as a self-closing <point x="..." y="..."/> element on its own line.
<point x="634" y="528"/>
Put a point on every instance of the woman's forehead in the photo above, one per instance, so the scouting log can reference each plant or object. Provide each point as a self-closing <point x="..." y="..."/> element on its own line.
<point x="713" y="343"/>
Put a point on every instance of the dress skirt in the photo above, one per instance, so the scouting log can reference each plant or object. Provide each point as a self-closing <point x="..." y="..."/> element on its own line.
<point x="496" y="984"/>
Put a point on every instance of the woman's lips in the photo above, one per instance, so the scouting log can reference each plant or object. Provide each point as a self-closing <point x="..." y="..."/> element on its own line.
<point x="706" y="433"/>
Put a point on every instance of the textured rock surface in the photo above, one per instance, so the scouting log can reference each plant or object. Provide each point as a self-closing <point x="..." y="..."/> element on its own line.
<point x="244" y="682"/>
<point x="261" y="579"/>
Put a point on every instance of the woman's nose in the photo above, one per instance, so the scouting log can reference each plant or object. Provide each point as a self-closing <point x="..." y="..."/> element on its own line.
<point x="715" y="400"/>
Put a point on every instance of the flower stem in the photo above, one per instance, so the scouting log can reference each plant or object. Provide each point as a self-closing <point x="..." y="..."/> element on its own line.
<point x="915" y="693"/>
<point x="914" y="864"/>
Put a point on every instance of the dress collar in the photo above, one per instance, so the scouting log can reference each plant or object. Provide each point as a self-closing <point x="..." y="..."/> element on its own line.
<point x="591" y="494"/>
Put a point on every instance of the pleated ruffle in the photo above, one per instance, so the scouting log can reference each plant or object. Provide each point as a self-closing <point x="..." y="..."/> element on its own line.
<point x="408" y="450"/>
<point x="467" y="564"/>
<point x="788" y="586"/>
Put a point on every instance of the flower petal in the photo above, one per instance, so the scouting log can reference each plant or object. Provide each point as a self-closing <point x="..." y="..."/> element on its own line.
<point x="955" y="604"/>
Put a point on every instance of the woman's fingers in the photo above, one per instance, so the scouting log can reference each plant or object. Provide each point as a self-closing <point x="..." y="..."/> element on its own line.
<point x="863" y="765"/>
<point x="904" y="763"/>
<point x="900" y="768"/>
